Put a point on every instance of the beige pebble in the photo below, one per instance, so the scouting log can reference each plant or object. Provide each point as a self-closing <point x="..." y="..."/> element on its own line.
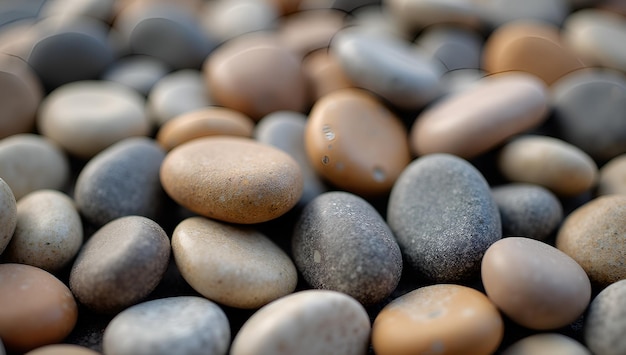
<point x="612" y="177"/>
<point x="306" y="31"/>
<point x="231" y="265"/>
<point x="549" y="162"/>
<point x="62" y="349"/>
<point x="8" y="215"/>
<point x="546" y="344"/>
<point x="232" y="179"/>
<point x="593" y="235"/>
<point x="227" y="19"/>
<point x="324" y="74"/>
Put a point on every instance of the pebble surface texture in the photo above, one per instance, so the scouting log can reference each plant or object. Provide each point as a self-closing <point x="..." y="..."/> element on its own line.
<point x="341" y="243"/>
<point x="547" y="344"/>
<point x="185" y="325"/>
<point x="8" y="215"/>
<point x="120" y="264"/>
<point x="606" y="321"/>
<point x="444" y="217"/>
<point x="306" y="322"/>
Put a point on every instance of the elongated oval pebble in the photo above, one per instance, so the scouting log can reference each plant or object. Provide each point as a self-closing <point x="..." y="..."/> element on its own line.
<point x="8" y="215"/>
<point x="605" y="324"/>
<point x="546" y="344"/>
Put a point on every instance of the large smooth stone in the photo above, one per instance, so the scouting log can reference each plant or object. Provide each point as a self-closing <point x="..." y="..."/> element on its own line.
<point x="8" y="215"/>
<point x="306" y="322"/>
<point x="546" y="344"/>
<point x="444" y="217"/>
<point x="605" y="324"/>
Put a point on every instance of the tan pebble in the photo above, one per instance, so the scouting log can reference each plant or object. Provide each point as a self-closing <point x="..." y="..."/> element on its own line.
<point x="612" y="177"/>
<point x="546" y="344"/>
<point x="225" y="20"/>
<point x="37" y="309"/>
<point x="535" y="284"/>
<point x="208" y="121"/>
<point x="356" y="143"/>
<point x="8" y="215"/>
<point x="62" y="349"/>
<point x="306" y="31"/>
<point x="324" y="73"/>
<point x="438" y="319"/>
<point x="549" y="162"/>
<point x="467" y="124"/>
<point x="232" y="179"/>
<point x="593" y="235"/>
<point x="231" y="265"/>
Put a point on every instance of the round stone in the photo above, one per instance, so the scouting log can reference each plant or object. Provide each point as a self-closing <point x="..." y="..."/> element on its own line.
<point x="120" y="264"/>
<point x="37" y="308"/>
<point x="444" y="318"/>
<point x="546" y="344"/>
<point x="455" y="47"/>
<point x="535" y="284"/>
<point x="232" y="179"/>
<point x="605" y="323"/>
<point x="8" y="215"/>
<point x="306" y="322"/>
<point x="62" y="349"/>
<point x="176" y="325"/>
<point x="234" y="266"/>
<point x="444" y="217"/>
<point x="612" y="177"/>
<point x="138" y="72"/>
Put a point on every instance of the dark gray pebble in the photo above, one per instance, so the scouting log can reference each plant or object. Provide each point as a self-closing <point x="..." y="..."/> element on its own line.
<point x="605" y="324"/>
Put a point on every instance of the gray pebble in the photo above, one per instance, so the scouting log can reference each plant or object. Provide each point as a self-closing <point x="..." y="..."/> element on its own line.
<point x="605" y="324"/>
<point x="341" y="243"/>
<point x="455" y="47"/>
<point x="8" y="215"/>
<point x="138" y="72"/>
<point x="444" y="217"/>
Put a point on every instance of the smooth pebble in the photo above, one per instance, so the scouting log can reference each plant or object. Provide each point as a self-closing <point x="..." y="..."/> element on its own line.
<point x="605" y="324"/>
<point x="228" y="19"/>
<point x="324" y="74"/>
<point x="546" y="344"/>
<point x="612" y="177"/>
<point x="500" y="12"/>
<point x="455" y="47"/>
<point x="62" y="349"/>
<point x="8" y="215"/>
<point x="139" y="72"/>
<point x="415" y="15"/>
<point x="306" y="31"/>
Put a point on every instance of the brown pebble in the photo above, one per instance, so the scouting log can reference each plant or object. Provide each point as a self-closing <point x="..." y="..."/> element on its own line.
<point x="324" y="73"/>
<point x="306" y="31"/>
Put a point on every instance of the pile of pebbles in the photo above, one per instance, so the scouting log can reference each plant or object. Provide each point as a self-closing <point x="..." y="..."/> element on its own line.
<point x="312" y="177"/>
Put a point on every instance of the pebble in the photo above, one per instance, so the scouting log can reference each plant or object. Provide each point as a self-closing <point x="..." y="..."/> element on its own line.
<point x="535" y="284"/>
<point x="8" y="215"/>
<point x="228" y="19"/>
<point x="30" y="162"/>
<point x="306" y="322"/>
<point x="356" y="143"/>
<point x="467" y="126"/>
<point x="341" y="243"/>
<point x="121" y="180"/>
<point x="324" y="74"/>
<point x="62" y="349"/>
<point x="48" y="233"/>
<point x="102" y="10"/>
<point x="501" y="12"/>
<point x="527" y="210"/>
<point x="184" y="325"/>
<point x="307" y="31"/>
<point x="232" y="179"/>
<point x="415" y="15"/>
<point x="550" y="162"/>
<point x="605" y="324"/>
<point x="120" y="264"/>
<point x="37" y="308"/>
<point x="138" y="72"/>
<point x="593" y="236"/>
<point x="612" y="177"/>
<point x="444" y="217"/>
<point x="438" y="319"/>
<point x="546" y="344"/>
<point x="86" y="117"/>
<point x="455" y="47"/>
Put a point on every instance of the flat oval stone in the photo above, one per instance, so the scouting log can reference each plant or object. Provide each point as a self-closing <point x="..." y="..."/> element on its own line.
<point x="324" y="74"/>
<point x="550" y="162"/>
<point x="37" y="308"/>
<point x="306" y="322"/>
<point x="611" y="177"/>
<point x="546" y="344"/>
<point x="341" y="243"/>
<point x="593" y="235"/>
<point x="204" y="122"/>
<point x="62" y="349"/>
<point x="174" y="325"/>
<point x="120" y="264"/>
<point x="49" y="231"/>
<point x="356" y="143"/>
<point x="444" y="217"/>
<point x="30" y="162"/>
<point x="455" y="47"/>
<point x="605" y="323"/>
<point x="467" y="125"/>
<point x="444" y="318"/>
<point x="8" y="215"/>
<point x="535" y="284"/>
<point x="232" y="265"/>
<point x="121" y="180"/>
<point x="138" y="72"/>
<point x="232" y="179"/>
<point x="86" y="117"/>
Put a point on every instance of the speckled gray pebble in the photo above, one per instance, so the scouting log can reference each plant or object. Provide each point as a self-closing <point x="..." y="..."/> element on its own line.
<point x="341" y="243"/>
<point x="443" y="216"/>
<point x="527" y="210"/>
<point x="184" y="325"/>
<point x="605" y="324"/>
<point x="8" y="215"/>
<point x="121" y="180"/>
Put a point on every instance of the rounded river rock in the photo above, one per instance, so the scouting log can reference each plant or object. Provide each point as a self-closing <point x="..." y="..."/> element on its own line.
<point x="605" y="324"/>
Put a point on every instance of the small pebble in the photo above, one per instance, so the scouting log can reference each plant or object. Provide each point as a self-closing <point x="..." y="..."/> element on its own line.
<point x="605" y="324"/>
<point x="138" y="72"/>
<point x="455" y="47"/>
<point x="8" y="215"/>
<point x="500" y="12"/>
<point x="307" y="31"/>
<point x="546" y="344"/>
<point x="612" y="177"/>
<point x="324" y="74"/>
<point x="228" y="19"/>
<point x="62" y="349"/>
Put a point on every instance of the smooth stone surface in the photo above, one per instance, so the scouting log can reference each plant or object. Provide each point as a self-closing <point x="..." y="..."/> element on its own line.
<point x="306" y="322"/>
<point x="120" y="264"/>
<point x="232" y="179"/>
<point x="455" y="47"/>
<point x="324" y="74"/>
<point x="500" y="12"/>
<point x="467" y="125"/>
<point x="593" y="235"/>
<point x="8" y="215"/>
<point x="30" y="162"/>
<point x="535" y="284"/>
<point x="86" y="117"/>
<point x="138" y="72"/>
<point x="234" y="266"/>
<point x="341" y="243"/>
<point x="48" y="233"/>
<point x="612" y="177"/>
<point x="550" y="162"/>
<point x="527" y="210"/>
<point x="605" y="323"/>
<point x="121" y="180"/>
<point x="204" y="122"/>
<point x="37" y="308"/>
<point x="589" y="108"/>
<point x="546" y="344"/>
<point x="356" y="143"/>
<point x="444" y="217"/>
<point x="415" y="15"/>
<point x="438" y="319"/>
<point x="98" y="9"/>
<point x="185" y="325"/>
<point x="229" y="19"/>
<point x="306" y="31"/>
<point x="62" y="349"/>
